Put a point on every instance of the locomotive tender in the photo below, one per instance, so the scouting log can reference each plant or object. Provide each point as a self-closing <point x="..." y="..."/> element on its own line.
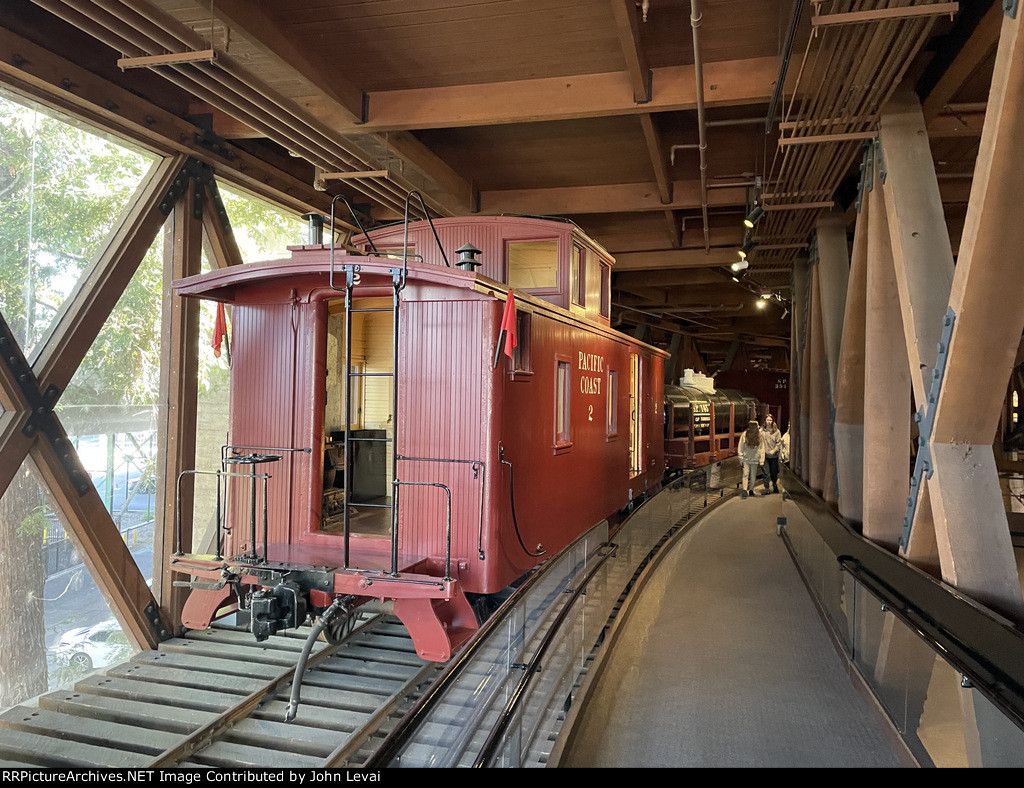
<point x="384" y="446"/>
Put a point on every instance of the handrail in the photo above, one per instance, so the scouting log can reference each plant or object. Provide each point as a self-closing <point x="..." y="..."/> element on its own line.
<point x="359" y="224"/>
<point x="1003" y="690"/>
<point x="405" y="237"/>
<point x="391" y="745"/>
<point x="985" y="647"/>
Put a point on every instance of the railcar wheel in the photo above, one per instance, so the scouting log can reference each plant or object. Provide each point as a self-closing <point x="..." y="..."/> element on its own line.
<point x="80" y="660"/>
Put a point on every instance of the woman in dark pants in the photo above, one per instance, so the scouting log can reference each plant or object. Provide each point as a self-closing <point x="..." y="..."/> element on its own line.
<point x="772" y="446"/>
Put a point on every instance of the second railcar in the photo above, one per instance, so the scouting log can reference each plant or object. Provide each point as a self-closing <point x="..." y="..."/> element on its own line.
<point x="702" y="424"/>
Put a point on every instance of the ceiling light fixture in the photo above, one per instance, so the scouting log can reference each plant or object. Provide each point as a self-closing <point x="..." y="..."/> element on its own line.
<point x="754" y="216"/>
<point x="740" y="265"/>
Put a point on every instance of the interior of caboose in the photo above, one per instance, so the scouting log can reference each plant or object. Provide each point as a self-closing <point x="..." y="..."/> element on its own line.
<point x="369" y="419"/>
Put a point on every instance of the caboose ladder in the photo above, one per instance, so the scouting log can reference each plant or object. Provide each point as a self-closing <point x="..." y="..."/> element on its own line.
<point x="437" y="625"/>
<point x="398" y="282"/>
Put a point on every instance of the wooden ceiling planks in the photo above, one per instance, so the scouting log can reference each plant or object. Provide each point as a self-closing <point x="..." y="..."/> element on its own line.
<point x="525" y="105"/>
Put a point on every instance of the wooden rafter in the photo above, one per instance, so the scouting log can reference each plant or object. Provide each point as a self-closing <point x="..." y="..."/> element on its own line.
<point x="570" y="200"/>
<point x="737" y="82"/>
<point x="627" y="22"/>
<point x="249" y="20"/>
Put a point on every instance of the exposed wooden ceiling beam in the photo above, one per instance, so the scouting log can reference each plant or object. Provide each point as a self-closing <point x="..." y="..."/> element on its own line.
<point x="975" y="51"/>
<point x="615" y="198"/>
<point x="674" y="258"/>
<point x="629" y="280"/>
<point x="627" y="22"/>
<point x="653" y="238"/>
<point x="727" y="83"/>
<point x="654" y="149"/>
<point x="248" y="19"/>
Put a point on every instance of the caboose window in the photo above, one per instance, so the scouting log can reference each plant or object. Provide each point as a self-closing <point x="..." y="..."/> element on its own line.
<point x="635" y="392"/>
<point x="521" y="352"/>
<point x="562" y="400"/>
<point x="611" y="398"/>
<point x="606" y="290"/>
<point x="578" y="277"/>
<point x="532" y="265"/>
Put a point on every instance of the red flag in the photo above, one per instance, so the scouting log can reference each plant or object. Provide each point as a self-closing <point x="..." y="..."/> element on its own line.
<point x="220" y="330"/>
<point x="508" y="324"/>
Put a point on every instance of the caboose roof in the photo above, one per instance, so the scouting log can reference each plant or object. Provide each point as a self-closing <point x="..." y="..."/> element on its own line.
<point x="309" y="272"/>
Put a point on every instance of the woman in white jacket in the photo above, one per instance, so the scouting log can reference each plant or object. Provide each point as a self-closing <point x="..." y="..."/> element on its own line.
<point x="751" y="451"/>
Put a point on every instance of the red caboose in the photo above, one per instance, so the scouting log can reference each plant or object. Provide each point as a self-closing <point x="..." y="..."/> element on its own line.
<point x="402" y="454"/>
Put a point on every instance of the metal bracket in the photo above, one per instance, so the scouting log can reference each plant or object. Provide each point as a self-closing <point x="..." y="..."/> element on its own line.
<point x="176" y="187"/>
<point x="198" y="189"/>
<point x="214" y="144"/>
<point x="40" y="406"/>
<point x="155" y="622"/>
<point x="218" y="204"/>
<point x="1010" y="8"/>
<point x="925" y="417"/>
<point x="866" y="174"/>
<point x="880" y="154"/>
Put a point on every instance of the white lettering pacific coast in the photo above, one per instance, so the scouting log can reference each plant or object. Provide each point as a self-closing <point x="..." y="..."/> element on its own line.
<point x="589" y="362"/>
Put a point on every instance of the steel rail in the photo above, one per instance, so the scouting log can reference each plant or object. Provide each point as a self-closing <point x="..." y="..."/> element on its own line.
<point x="204" y="736"/>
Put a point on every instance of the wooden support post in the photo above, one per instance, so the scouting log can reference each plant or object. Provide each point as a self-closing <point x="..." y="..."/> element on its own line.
<point x="799" y="406"/>
<point x="83" y="314"/>
<point x="917" y="227"/>
<point x="886" y="389"/>
<point x="178" y="395"/>
<point x="849" y="394"/>
<point x="218" y="238"/>
<point x="970" y="520"/>
<point x="817" y="395"/>
<point x="833" y="273"/>
<point x="86" y="520"/>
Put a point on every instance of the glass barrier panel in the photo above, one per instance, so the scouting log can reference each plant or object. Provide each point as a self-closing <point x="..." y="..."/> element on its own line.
<point x="476" y="699"/>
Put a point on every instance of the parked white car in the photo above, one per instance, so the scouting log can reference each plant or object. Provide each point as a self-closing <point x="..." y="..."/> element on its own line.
<point x="96" y="646"/>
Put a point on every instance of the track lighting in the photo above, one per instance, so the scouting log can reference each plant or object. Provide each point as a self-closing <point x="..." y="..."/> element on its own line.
<point x="747" y="248"/>
<point x="740" y="265"/>
<point x="754" y="216"/>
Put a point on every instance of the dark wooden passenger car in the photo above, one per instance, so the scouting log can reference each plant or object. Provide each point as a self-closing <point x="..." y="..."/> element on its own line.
<point x="530" y="450"/>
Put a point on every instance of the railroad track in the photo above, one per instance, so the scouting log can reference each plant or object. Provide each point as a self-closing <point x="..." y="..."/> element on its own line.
<point x="217" y="698"/>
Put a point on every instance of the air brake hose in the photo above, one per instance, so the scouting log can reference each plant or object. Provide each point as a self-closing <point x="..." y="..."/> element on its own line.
<point x="300" y="667"/>
<point x="512" y="501"/>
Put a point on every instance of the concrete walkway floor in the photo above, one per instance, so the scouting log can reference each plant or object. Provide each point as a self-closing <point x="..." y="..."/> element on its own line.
<point x="723" y="661"/>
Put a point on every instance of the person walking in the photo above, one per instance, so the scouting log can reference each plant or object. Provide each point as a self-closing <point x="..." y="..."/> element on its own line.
<point x="784" y="453"/>
<point x="772" y="440"/>
<point x="751" y="451"/>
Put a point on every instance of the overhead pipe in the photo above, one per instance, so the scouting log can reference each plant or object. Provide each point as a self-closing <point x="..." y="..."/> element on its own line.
<point x="698" y="70"/>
